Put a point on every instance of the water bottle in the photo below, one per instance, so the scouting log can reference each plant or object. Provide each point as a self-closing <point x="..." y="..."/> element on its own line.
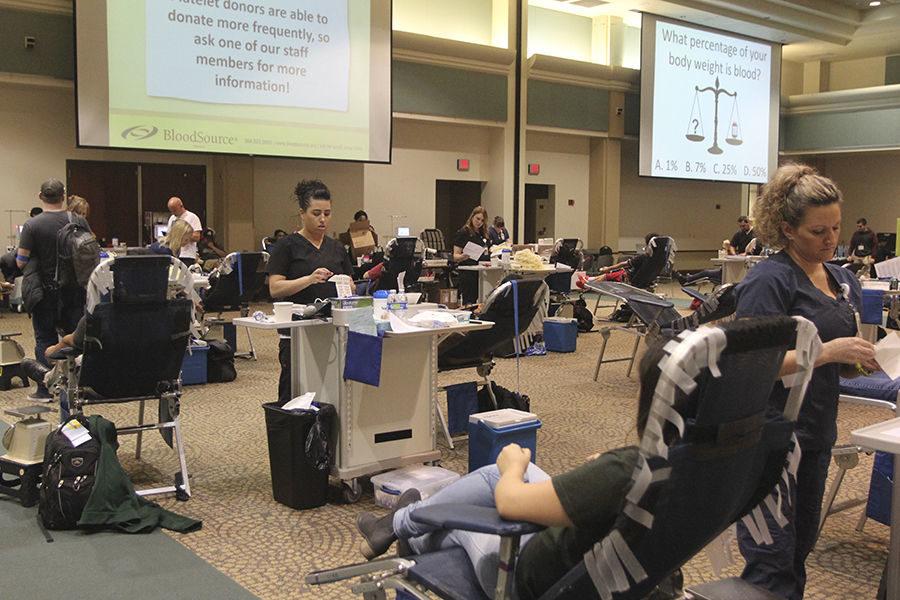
<point x="895" y="285"/>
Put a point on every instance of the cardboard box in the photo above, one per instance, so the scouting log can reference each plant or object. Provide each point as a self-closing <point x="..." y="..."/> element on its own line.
<point x="361" y="239"/>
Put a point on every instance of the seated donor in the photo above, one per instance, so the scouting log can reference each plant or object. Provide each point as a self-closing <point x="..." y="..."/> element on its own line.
<point x="209" y="249"/>
<point x="625" y="270"/>
<point x="180" y="233"/>
<point x="579" y="508"/>
<point x="498" y="232"/>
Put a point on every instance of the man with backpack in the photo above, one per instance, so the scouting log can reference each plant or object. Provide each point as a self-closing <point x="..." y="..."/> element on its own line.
<point x="56" y="251"/>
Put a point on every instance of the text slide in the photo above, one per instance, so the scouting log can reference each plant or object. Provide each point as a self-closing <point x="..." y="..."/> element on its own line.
<point x="274" y="53"/>
<point x="712" y="105"/>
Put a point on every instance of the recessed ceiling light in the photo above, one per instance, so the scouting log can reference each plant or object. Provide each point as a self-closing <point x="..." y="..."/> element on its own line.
<point x="874" y="3"/>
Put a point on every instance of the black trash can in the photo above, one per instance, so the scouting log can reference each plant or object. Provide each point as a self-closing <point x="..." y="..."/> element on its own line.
<point x="300" y="451"/>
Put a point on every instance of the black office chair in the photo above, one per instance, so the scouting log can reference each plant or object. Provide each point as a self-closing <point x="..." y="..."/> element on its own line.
<point x="135" y="340"/>
<point x="711" y="453"/>
<point x="476" y="350"/>
<point x="233" y="286"/>
<point x="401" y="255"/>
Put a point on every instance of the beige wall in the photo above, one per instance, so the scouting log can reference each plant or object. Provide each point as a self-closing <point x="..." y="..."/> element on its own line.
<point x="423" y="153"/>
<point x="859" y="73"/>
<point x="37" y="136"/>
<point x="565" y="164"/>
<point x="877" y="198"/>
<point x="274" y="180"/>
<point x="791" y="78"/>
<point x="685" y="210"/>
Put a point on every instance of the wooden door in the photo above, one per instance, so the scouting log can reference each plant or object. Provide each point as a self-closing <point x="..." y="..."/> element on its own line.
<point x="111" y="189"/>
<point x="161" y="182"/>
<point x="454" y="201"/>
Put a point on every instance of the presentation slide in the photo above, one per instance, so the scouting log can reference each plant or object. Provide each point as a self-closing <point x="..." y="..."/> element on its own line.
<point x="296" y="78"/>
<point x="709" y="103"/>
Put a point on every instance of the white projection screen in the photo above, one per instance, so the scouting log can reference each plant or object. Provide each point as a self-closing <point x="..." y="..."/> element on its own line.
<point x="291" y="78"/>
<point x="710" y="103"/>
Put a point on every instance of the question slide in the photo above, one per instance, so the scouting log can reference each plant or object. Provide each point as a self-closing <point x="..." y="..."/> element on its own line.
<point x="709" y="103"/>
<point x="294" y="78"/>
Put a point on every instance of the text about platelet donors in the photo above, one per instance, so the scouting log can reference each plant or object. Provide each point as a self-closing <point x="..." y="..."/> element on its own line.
<point x="269" y="52"/>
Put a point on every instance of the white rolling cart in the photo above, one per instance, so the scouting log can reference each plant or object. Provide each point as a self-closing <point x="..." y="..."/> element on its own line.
<point x="379" y="428"/>
<point x="886" y="437"/>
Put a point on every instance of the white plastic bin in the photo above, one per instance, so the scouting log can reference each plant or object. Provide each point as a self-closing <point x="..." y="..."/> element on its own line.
<point x="428" y="480"/>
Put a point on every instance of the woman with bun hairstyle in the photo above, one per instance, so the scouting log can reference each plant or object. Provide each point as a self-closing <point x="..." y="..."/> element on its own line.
<point x="799" y="212"/>
<point x="302" y="263"/>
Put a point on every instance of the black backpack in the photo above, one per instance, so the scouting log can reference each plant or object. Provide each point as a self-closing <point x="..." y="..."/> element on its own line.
<point x="505" y="399"/>
<point x="220" y="362"/>
<point x="584" y="317"/>
<point x="77" y="254"/>
<point x="67" y="478"/>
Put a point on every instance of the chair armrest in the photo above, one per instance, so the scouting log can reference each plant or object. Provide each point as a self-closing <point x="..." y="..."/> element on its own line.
<point x="479" y="519"/>
<point x="65" y="353"/>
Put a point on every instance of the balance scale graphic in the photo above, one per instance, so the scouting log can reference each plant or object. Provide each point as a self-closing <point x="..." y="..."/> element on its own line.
<point x="696" y="119"/>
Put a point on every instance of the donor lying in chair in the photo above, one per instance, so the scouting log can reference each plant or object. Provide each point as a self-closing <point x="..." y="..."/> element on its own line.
<point x="623" y="521"/>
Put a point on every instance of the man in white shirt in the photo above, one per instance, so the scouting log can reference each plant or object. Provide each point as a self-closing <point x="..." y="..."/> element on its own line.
<point x="188" y="254"/>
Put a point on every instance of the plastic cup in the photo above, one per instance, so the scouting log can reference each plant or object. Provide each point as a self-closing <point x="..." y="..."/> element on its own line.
<point x="282" y="310"/>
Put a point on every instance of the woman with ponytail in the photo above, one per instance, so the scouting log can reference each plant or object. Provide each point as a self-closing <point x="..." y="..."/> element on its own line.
<point x="799" y="212"/>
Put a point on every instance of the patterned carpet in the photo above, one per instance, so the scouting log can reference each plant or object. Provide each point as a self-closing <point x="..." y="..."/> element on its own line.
<point x="268" y="548"/>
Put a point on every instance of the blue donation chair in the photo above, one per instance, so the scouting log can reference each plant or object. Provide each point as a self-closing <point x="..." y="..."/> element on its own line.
<point x="138" y="324"/>
<point x="233" y="286"/>
<point x="711" y="454"/>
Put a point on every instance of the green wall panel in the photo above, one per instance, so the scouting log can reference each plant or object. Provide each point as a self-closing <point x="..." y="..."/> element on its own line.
<point x="567" y="106"/>
<point x="892" y="70"/>
<point x="53" y="54"/>
<point x="432" y="90"/>
<point x="632" y="114"/>
<point x="841" y="131"/>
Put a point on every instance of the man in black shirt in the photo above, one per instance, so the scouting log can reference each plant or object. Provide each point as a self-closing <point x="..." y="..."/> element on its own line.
<point x="742" y="236"/>
<point x="60" y="308"/>
<point x="864" y="241"/>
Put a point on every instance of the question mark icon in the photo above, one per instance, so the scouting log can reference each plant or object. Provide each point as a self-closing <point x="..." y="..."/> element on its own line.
<point x="696" y="124"/>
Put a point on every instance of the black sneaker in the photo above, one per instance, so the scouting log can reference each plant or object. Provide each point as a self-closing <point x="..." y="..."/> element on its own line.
<point x="40" y="395"/>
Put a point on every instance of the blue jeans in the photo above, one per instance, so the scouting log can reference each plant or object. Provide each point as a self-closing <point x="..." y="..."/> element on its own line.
<point x="476" y="488"/>
<point x="781" y="567"/>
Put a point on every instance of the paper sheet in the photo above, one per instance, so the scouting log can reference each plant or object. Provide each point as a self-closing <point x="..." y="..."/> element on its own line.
<point x="76" y="432"/>
<point x="887" y="353"/>
<point x="888" y="268"/>
<point x="303" y="402"/>
<point x="473" y="250"/>
<point x="344" y="285"/>
<point x="398" y="325"/>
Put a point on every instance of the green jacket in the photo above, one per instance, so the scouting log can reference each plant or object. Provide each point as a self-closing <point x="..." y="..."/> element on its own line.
<point x="113" y="503"/>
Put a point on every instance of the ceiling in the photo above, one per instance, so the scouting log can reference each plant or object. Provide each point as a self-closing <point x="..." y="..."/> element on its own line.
<point x="810" y="29"/>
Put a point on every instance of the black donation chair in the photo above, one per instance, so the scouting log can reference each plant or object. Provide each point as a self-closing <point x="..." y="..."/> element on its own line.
<point x="233" y="285"/>
<point x="662" y="257"/>
<point x="711" y="454"/>
<point x="476" y="350"/>
<point x="136" y="335"/>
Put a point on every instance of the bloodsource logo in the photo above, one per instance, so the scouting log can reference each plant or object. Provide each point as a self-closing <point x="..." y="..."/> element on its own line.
<point x="139" y="132"/>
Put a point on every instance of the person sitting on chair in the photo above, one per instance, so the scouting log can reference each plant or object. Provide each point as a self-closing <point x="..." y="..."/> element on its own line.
<point x="578" y="507"/>
<point x="622" y="271"/>
<point x="180" y="233"/>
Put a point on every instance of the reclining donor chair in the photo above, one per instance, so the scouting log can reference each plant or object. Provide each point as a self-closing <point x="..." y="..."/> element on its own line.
<point x="662" y="258"/>
<point x="233" y="286"/>
<point x="517" y="308"/>
<point x="710" y="454"/>
<point x="652" y="314"/>
<point x="139" y="319"/>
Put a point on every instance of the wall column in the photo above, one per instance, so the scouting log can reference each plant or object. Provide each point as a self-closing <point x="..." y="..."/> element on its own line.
<point x="233" y="203"/>
<point x="604" y="183"/>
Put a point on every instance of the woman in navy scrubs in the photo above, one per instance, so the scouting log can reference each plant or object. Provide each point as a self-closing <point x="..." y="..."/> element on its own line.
<point x="799" y="211"/>
<point x="302" y="263"/>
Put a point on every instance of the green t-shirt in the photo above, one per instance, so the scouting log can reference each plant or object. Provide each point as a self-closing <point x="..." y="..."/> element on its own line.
<point x="592" y="496"/>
